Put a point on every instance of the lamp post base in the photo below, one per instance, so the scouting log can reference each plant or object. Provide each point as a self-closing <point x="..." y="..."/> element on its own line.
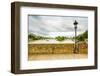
<point x="76" y="50"/>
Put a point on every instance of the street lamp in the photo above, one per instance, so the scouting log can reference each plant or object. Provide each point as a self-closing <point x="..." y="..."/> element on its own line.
<point x="75" y="46"/>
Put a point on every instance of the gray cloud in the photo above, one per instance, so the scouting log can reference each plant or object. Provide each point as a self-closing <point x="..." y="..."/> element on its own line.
<point x="43" y="25"/>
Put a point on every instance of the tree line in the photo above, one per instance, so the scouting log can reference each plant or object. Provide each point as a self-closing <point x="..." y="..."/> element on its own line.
<point x="80" y="37"/>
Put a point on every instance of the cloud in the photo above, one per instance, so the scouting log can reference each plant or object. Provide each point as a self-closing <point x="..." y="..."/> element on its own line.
<point x="43" y="25"/>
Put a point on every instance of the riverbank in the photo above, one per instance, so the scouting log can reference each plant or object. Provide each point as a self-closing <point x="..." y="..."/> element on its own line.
<point x="51" y="41"/>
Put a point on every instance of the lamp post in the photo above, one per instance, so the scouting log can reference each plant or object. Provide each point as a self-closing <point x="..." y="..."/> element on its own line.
<point x="75" y="46"/>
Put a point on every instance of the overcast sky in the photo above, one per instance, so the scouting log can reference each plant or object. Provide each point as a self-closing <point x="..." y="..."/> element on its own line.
<point x="56" y="25"/>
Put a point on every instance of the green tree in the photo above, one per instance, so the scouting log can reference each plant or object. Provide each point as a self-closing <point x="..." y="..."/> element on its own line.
<point x="60" y="38"/>
<point x="82" y="36"/>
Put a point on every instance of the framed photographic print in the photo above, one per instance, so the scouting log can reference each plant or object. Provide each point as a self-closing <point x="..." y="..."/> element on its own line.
<point x="52" y="37"/>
